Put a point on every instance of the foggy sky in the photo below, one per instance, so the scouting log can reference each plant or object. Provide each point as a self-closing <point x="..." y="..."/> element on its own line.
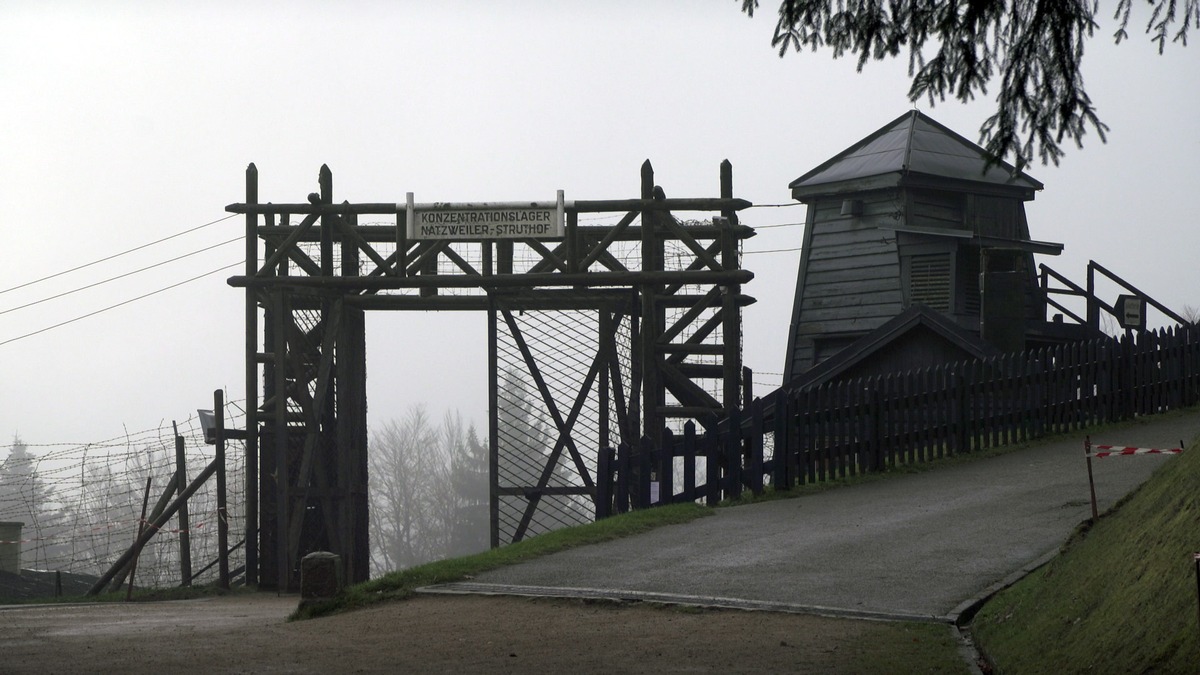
<point x="128" y="122"/>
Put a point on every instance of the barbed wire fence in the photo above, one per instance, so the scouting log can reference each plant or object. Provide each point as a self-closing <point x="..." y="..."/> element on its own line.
<point x="81" y="504"/>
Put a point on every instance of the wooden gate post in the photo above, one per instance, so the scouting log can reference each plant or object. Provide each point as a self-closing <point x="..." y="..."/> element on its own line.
<point x="251" y="382"/>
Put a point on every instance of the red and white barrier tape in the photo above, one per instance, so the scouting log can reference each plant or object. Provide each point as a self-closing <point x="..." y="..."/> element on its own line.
<point x="1111" y="450"/>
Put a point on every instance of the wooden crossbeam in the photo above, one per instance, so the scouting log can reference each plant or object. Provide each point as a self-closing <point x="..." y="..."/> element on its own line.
<point x="688" y="392"/>
<point x="702" y="255"/>
<point x="283" y="250"/>
<point x="693" y="345"/>
<point x="708" y="301"/>
<point x="602" y="246"/>
<point x="549" y="257"/>
<point x="350" y="231"/>
<point x="463" y="265"/>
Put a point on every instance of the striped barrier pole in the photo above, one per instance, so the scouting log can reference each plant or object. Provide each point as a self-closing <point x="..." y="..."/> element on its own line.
<point x="1102" y="451"/>
<point x="1087" y="453"/>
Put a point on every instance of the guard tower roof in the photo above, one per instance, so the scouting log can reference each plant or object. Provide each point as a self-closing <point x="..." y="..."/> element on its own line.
<point x="912" y="149"/>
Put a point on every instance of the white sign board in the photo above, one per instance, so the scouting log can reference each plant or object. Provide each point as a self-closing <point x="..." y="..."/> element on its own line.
<point x="1131" y="312"/>
<point x="484" y="221"/>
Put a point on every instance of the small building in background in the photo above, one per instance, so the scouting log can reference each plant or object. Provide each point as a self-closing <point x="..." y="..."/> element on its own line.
<point x="915" y="216"/>
<point x="10" y="547"/>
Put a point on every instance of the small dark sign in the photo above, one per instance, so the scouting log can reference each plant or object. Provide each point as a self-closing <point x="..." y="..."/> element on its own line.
<point x="1131" y="312"/>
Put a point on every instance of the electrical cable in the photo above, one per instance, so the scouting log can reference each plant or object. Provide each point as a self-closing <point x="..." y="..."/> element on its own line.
<point x="120" y="304"/>
<point x="776" y="250"/>
<point x="116" y="255"/>
<point x="120" y="276"/>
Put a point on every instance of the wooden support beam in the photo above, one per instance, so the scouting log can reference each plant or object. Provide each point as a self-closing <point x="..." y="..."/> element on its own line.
<point x="581" y="206"/>
<point x="250" y="345"/>
<point x="707" y="302"/>
<point x="588" y="279"/>
<point x="387" y="233"/>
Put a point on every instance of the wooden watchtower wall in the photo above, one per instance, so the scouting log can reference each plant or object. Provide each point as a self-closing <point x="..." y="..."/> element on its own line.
<point x="915" y="214"/>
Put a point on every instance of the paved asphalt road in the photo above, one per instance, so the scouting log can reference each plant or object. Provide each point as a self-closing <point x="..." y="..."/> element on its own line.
<point x="916" y="546"/>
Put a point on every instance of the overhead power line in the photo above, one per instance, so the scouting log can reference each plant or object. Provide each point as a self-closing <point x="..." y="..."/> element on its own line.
<point x="767" y="227"/>
<point x="120" y="276"/>
<point x="117" y="255"/>
<point x="777" y="250"/>
<point x="121" y="304"/>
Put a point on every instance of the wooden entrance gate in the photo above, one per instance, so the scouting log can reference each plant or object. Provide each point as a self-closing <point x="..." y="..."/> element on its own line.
<point x="594" y="337"/>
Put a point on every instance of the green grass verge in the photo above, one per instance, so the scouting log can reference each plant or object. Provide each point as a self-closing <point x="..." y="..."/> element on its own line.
<point x="399" y="585"/>
<point x="1120" y="598"/>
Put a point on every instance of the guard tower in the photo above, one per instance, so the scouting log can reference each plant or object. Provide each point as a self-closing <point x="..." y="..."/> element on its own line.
<point x="916" y="215"/>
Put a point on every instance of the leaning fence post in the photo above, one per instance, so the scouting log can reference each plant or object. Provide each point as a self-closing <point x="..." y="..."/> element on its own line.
<point x="155" y="524"/>
<point x="141" y="528"/>
<point x="222" y="511"/>
<point x="185" y="535"/>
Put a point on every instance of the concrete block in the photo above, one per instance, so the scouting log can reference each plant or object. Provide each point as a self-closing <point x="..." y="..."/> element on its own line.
<point x="320" y="575"/>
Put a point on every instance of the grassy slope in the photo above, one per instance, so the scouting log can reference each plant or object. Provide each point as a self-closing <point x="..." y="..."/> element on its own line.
<point x="1121" y="598"/>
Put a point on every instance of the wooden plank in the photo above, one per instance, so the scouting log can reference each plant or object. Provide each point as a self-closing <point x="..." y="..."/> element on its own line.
<point x="855" y="251"/>
<point x="852" y="297"/>
<point x="839" y="277"/>
<point x="884" y="259"/>
<point x="851" y="317"/>
<point x="883" y="284"/>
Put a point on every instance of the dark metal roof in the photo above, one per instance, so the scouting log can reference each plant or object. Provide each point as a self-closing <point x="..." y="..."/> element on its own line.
<point x="912" y="145"/>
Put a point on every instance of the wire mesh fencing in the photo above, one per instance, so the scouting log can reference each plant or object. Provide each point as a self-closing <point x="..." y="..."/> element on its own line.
<point x="80" y="505"/>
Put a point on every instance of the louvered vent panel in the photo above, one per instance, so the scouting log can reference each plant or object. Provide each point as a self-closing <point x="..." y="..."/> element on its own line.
<point x="929" y="281"/>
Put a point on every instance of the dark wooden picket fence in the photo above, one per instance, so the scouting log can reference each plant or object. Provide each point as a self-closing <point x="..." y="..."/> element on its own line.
<point x="877" y="423"/>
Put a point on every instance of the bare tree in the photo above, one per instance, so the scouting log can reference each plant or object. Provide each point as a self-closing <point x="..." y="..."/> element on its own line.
<point x="404" y="464"/>
<point x="1191" y="313"/>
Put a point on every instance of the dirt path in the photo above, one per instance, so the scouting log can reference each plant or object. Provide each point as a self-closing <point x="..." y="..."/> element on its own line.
<point x="247" y="634"/>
